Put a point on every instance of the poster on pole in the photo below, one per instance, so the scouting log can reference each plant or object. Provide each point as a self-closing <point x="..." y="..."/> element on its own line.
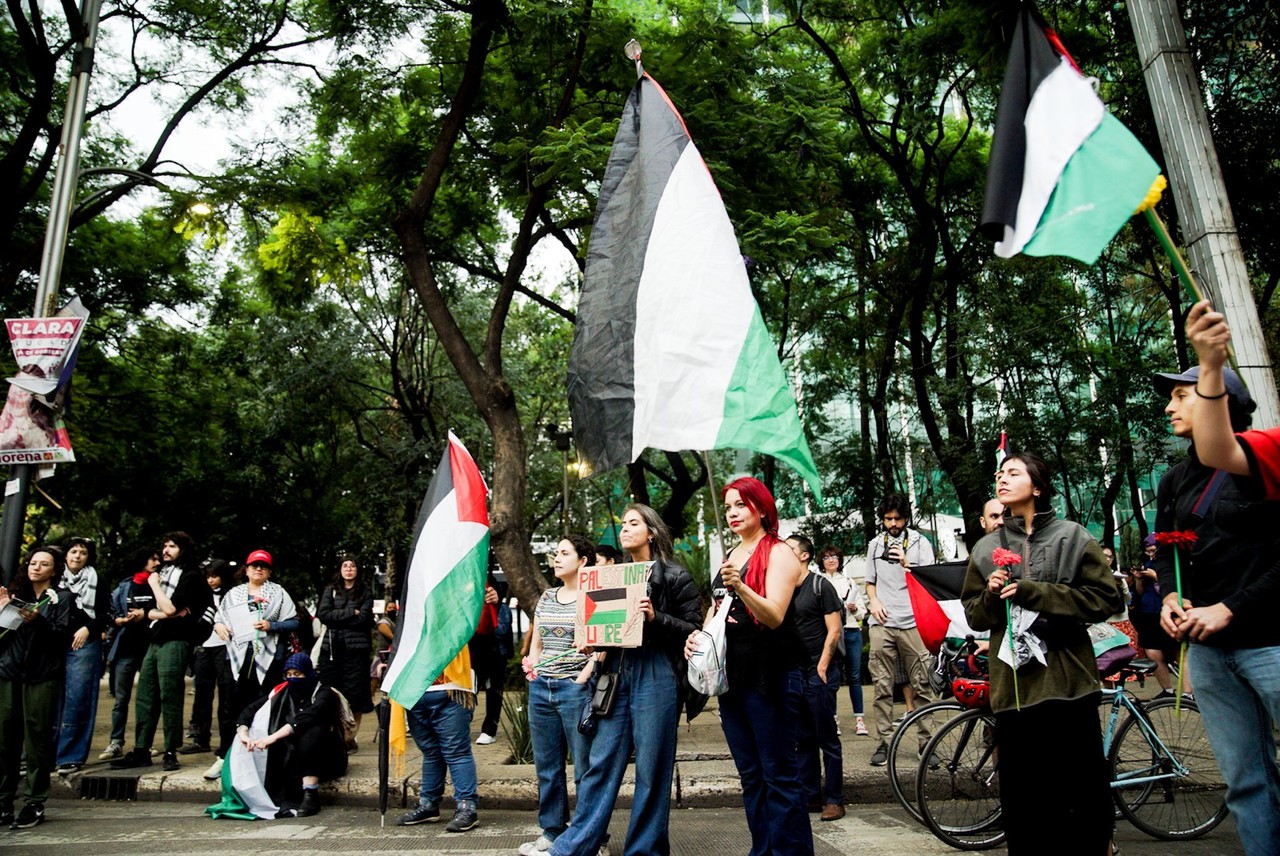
<point x="31" y="426"/>
<point x="609" y="598"/>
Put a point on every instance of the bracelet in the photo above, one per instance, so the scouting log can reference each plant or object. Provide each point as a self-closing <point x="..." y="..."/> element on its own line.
<point x="1222" y="394"/>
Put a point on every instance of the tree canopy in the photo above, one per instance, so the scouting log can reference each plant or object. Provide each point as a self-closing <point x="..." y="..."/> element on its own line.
<point x="401" y="253"/>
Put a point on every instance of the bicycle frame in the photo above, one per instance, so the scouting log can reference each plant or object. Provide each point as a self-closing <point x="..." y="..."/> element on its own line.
<point x="1120" y="699"/>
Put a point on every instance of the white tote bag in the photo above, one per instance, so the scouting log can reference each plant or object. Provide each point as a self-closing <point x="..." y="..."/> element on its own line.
<point x="706" y="667"/>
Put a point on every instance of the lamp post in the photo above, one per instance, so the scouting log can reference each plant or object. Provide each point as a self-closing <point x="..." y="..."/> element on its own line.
<point x="561" y="440"/>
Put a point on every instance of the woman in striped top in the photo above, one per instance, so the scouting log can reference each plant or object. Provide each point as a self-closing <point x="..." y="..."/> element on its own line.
<point x="558" y="692"/>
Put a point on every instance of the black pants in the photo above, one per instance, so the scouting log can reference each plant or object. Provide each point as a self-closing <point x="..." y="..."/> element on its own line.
<point x="213" y="671"/>
<point x="490" y="671"/>
<point x="1055" y="795"/>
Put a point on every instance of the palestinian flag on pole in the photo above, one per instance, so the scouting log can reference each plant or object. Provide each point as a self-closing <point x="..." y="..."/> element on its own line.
<point x="935" y="600"/>
<point x="1064" y="175"/>
<point x="669" y="349"/>
<point x="444" y="586"/>
<point x="1002" y="451"/>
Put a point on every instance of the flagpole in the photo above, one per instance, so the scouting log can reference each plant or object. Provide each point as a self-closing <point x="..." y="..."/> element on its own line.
<point x="718" y="510"/>
<point x="1180" y="264"/>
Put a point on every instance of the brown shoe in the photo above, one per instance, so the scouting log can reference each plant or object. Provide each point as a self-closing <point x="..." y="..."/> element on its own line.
<point x="832" y="811"/>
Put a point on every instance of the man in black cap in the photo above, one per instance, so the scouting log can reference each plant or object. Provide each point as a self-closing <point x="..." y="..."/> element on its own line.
<point x="1230" y="582"/>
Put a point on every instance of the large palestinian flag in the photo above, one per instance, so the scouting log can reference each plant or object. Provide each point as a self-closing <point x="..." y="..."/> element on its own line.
<point x="444" y="586"/>
<point x="1064" y="175"/>
<point x="669" y="349"/>
<point x="935" y="600"/>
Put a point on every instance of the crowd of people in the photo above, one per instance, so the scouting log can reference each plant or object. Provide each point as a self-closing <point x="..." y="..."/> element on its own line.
<point x="794" y="625"/>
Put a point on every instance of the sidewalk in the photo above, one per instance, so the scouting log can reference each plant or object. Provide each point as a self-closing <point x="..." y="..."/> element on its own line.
<point x="705" y="773"/>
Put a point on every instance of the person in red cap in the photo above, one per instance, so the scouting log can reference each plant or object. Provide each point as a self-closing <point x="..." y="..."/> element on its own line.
<point x="181" y="598"/>
<point x="255" y="619"/>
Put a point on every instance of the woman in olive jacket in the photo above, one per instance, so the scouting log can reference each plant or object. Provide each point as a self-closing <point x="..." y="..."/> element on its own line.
<point x="1047" y="728"/>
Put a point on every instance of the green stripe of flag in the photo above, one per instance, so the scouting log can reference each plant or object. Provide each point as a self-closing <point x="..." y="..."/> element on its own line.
<point x="759" y="409"/>
<point x="613" y="616"/>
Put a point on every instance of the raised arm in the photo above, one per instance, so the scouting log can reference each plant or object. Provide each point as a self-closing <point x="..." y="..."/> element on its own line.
<point x="1210" y="422"/>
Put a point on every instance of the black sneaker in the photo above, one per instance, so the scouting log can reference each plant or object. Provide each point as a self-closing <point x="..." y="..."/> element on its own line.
<point x="171" y="761"/>
<point x="194" y="748"/>
<point x="6" y="814"/>
<point x="422" y="813"/>
<point x="464" y="818"/>
<point x="881" y="756"/>
<point x="67" y="769"/>
<point x="134" y="758"/>
<point x="32" y="814"/>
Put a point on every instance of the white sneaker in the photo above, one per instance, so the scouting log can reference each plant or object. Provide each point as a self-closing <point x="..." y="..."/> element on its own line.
<point x="486" y="739"/>
<point x="114" y="750"/>
<point x="604" y="850"/>
<point x="532" y="848"/>
<point x="215" y="770"/>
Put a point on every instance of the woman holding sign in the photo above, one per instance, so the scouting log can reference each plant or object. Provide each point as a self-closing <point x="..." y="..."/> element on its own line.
<point x="651" y="685"/>
<point x="765" y="659"/>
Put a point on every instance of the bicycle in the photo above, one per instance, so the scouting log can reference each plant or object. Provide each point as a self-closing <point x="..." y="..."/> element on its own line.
<point x="906" y="746"/>
<point x="1163" y="776"/>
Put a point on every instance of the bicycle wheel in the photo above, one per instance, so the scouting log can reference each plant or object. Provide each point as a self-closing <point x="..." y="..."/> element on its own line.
<point x="1184" y="795"/>
<point x="959" y="793"/>
<point x="907" y="744"/>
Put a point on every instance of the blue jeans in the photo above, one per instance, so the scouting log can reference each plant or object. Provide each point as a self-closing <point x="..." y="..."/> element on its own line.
<point x="1238" y="692"/>
<point x="644" y="717"/>
<point x="852" y="666"/>
<point x="818" y="741"/>
<point x="123" y="671"/>
<point x="555" y="706"/>
<point x="79" y="702"/>
<point x="442" y="729"/>
<point x="761" y="735"/>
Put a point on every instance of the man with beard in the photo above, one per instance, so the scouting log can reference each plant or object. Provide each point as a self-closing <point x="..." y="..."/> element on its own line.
<point x="892" y="624"/>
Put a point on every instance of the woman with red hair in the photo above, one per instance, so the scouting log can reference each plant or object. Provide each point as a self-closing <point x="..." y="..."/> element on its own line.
<point x="765" y="661"/>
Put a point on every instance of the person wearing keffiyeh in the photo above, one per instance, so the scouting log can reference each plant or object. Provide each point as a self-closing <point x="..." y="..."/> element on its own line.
<point x="257" y="642"/>
<point x="181" y="598"/>
<point x="84" y="655"/>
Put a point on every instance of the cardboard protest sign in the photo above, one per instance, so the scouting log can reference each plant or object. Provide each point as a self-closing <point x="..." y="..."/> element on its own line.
<point x="609" y="613"/>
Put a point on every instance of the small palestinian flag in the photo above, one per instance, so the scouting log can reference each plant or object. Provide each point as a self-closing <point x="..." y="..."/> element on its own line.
<point x="1002" y="451"/>
<point x="669" y="349"/>
<point x="935" y="600"/>
<point x="444" y="586"/>
<point x="1064" y="175"/>
<point x="604" y="606"/>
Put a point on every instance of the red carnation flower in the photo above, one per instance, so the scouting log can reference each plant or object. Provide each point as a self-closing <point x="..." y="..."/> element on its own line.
<point x="1005" y="558"/>
<point x="1177" y="538"/>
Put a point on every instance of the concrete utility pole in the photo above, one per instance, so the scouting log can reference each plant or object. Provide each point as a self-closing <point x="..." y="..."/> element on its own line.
<point x="1208" y="228"/>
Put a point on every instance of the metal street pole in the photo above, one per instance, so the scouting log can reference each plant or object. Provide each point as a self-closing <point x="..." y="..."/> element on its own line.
<point x="1208" y="227"/>
<point x="61" y="203"/>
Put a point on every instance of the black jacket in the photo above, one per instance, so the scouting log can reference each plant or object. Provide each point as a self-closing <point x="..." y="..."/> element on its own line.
<point x="1236" y="558"/>
<point x="345" y="631"/>
<point x="37" y="651"/>
<point x="677" y="612"/>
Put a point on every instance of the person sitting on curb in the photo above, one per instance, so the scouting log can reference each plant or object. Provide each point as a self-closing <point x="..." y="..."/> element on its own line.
<point x="299" y="728"/>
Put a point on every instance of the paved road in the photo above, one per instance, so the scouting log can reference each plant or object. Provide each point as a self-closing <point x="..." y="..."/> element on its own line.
<point x="106" y="828"/>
